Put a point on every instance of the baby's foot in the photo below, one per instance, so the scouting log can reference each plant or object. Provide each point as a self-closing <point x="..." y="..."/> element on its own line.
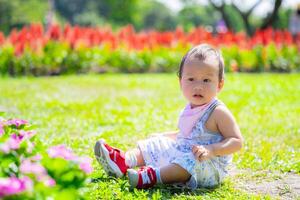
<point x="112" y="159"/>
<point x="144" y="178"/>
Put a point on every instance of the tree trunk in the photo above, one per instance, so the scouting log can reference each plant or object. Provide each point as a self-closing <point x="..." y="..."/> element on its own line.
<point x="221" y="9"/>
<point x="272" y="16"/>
<point x="246" y="15"/>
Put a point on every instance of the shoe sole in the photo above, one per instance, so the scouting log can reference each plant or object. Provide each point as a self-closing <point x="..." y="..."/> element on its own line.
<point x="133" y="178"/>
<point x="102" y="156"/>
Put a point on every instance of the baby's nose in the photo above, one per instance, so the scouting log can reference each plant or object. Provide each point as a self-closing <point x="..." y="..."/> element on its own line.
<point x="198" y="87"/>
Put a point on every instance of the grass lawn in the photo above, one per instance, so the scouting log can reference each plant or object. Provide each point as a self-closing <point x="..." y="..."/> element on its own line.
<point x="78" y="110"/>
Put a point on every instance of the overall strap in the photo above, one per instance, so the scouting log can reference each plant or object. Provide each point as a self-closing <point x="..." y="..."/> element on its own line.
<point x="209" y="110"/>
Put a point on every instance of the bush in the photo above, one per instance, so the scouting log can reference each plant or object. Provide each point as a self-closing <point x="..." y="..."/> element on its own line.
<point x="82" y="50"/>
<point x="28" y="170"/>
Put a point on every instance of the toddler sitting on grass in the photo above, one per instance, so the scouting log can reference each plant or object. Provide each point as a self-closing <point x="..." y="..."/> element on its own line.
<point x="195" y="156"/>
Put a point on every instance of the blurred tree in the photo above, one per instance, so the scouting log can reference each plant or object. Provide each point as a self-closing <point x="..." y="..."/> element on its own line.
<point x="268" y="21"/>
<point x="284" y="15"/>
<point x="50" y="14"/>
<point x="147" y="14"/>
<point x="191" y="16"/>
<point x="90" y="16"/>
<point x="89" y="19"/>
<point x="272" y="16"/>
<point x="17" y="13"/>
<point x="69" y="9"/>
<point x="93" y="12"/>
<point x="29" y="11"/>
<point x="221" y="8"/>
<point x="196" y="14"/>
<point x="245" y="15"/>
<point x="118" y="11"/>
<point x="234" y="19"/>
<point x="156" y="15"/>
<point x="6" y="9"/>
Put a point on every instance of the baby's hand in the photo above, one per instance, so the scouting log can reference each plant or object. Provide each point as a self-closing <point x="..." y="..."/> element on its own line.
<point x="202" y="153"/>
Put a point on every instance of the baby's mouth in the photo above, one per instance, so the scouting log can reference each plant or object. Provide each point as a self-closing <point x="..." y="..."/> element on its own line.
<point x="197" y="96"/>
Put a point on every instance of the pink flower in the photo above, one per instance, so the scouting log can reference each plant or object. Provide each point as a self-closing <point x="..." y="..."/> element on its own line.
<point x="49" y="181"/>
<point x="4" y="147"/>
<point x="16" y="122"/>
<point x="11" y="144"/>
<point x="26" y="134"/>
<point x="85" y="164"/>
<point x="13" y="185"/>
<point x="28" y="167"/>
<point x="14" y="142"/>
<point x="61" y="151"/>
<point x="1" y="130"/>
<point x="36" y="157"/>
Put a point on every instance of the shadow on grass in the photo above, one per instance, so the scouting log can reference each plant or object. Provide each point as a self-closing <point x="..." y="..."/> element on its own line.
<point x="169" y="191"/>
<point x="158" y="192"/>
<point x="104" y="178"/>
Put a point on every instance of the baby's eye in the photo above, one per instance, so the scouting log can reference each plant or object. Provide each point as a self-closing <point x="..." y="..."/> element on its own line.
<point x="206" y="80"/>
<point x="191" y="79"/>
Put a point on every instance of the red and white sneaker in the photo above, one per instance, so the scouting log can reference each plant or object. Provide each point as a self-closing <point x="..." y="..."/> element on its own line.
<point x="143" y="178"/>
<point x="112" y="159"/>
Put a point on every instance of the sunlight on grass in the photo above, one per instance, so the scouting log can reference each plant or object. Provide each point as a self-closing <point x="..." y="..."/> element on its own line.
<point x="78" y="110"/>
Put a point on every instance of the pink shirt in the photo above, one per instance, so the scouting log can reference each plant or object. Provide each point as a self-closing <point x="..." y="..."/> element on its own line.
<point x="189" y="117"/>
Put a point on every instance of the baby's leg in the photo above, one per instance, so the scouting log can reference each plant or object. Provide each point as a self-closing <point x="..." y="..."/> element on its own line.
<point x="148" y="176"/>
<point x="173" y="173"/>
<point x="134" y="158"/>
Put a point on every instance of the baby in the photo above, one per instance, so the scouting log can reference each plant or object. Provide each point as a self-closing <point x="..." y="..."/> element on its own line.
<point x="195" y="156"/>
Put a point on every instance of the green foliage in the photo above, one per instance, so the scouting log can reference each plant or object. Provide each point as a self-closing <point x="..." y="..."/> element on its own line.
<point x="6" y="59"/>
<point x="89" y="19"/>
<point x="248" y="59"/>
<point x="6" y="9"/>
<point x="119" y="12"/>
<point x="285" y="59"/>
<point x="155" y="15"/>
<point x="234" y="19"/>
<point x="59" y="58"/>
<point x="70" y="8"/>
<point x="97" y="12"/>
<point x="29" y="171"/>
<point x="283" y="18"/>
<point x="17" y="13"/>
<point x="191" y="16"/>
<point x="23" y="11"/>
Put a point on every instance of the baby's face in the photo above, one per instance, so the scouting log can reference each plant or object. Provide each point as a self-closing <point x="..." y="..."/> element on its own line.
<point x="200" y="81"/>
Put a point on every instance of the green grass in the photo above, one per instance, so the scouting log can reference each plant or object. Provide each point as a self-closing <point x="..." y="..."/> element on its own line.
<point x="78" y="110"/>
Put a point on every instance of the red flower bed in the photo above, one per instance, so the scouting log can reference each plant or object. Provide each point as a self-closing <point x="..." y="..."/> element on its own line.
<point x="35" y="37"/>
<point x="78" y="49"/>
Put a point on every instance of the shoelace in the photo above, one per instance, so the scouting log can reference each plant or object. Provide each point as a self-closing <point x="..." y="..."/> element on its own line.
<point x="145" y="177"/>
<point x="114" y="155"/>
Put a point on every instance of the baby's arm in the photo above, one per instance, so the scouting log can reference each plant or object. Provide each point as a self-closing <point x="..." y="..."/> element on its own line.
<point x="229" y="129"/>
<point x="169" y="134"/>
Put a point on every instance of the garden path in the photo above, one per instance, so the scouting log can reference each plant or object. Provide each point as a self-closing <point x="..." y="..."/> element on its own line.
<point x="276" y="184"/>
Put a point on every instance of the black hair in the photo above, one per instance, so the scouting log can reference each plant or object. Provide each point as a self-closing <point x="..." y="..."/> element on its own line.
<point x="201" y="52"/>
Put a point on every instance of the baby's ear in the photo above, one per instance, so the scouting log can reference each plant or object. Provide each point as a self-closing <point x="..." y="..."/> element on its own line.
<point x="221" y="85"/>
<point x="179" y="81"/>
